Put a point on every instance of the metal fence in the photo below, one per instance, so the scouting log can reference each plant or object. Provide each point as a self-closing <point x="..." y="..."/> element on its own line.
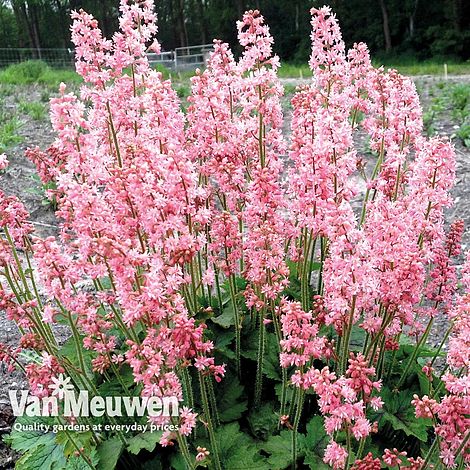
<point x="60" y="58"/>
<point x="192" y="56"/>
<point x="182" y="58"/>
<point x="166" y="59"/>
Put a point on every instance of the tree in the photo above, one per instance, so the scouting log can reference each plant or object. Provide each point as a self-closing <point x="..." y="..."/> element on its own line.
<point x="409" y="26"/>
<point x="386" y="26"/>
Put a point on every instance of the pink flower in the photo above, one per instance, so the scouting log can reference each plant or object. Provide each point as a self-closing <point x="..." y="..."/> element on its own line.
<point x="393" y="457"/>
<point x="335" y="455"/>
<point x="301" y="342"/>
<point x="14" y="217"/>
<point x="187" y="421"/>
<point x="164" y="214"/>
<point x="376" y="403"/>
<point x="202" y="454"/>
<point x="424" y="406"/>
<point x="3" y="161"/>
<point x="367" y="463"/>
<point x="49" y="314"/>
<point x="8" y="356"/>
<point x="361" y="428"/>
<point x="40" y="375"/>
<point x="359" y="374"/>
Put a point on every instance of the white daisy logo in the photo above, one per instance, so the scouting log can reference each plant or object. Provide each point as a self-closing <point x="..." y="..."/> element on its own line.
<point x="61" y="386"/>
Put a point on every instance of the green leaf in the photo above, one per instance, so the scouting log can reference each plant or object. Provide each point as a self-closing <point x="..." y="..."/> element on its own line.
<point x="146" y="440"/>
<point x="227" y="318"/>
<point x="177" y="462"/>
<point x="293" y="272"/>
<point x="289" y="392"/>
<point x="279" y="449"/>
<point x="222" y="339"/>
<point x="315" y="266"/>
<point x="24" y="440"/>
<point x="240" y="283"/>
<point x="109" y="452"/>
<point x="82" y="439"/>
<point x="271" y="366"/>
<point x="240" y="286"/>
<point x="400" y="414"/>
<point x="69" y="351"/>
<point x="42" y="450"/>
<point x="114" y="387"/>
<point x="357" y="339"/>
<point x="316" y="435"/>
<point x="231" y="402"/>
<point x="315" y="462"/>
<point x="43" y="457"/>
<point x="423" y="381"/>
<point x="106" y="283"/>
<point x="263" y="421"/>
<point x="409" y="426"/>
<point x="76" y="462"/>
<point x="154" y="464"/>
<point x="292" y="291"/>
<point x="408" y="346"/>
<point x="314" y="444"/>
<point x="237" y="450"/>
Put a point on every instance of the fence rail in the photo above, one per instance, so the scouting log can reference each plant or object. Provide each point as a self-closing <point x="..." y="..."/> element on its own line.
<point x="180" y="59"/>
<point x="191" y="56"/>
<point x="53" y="57"/>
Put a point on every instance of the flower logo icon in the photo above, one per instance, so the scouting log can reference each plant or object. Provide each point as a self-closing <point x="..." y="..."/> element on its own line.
<point x="61" y="386"/>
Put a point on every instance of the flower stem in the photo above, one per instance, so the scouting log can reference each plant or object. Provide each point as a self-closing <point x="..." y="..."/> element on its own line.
<point x="430" y="453"/>
<point x="213" y="401"/>
<point x="259" y="366"/>
<point x="416" y="351"/>
<point x="360" y="450"/>
<point x="344" y="357"/>
<point x="295" y="426"/>
<point x="233" y="295"/>
<point x="462" y="445"/>
<point x="182" y="442"/>
<point x="210" y="427"/>
<point x="441" y="345"/>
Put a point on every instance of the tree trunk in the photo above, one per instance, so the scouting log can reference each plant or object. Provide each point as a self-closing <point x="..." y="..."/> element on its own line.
<point x="177" y="13"/>
<point x="457" y="14"/>
<point x="386" y="26"/>
<point x="240" y="8"/>
<point x="20" y="23"/>
<point x="34" y="20"/>
<point x="202" y="21"/>
<point x="173" y="16"/>
<point x="28" y="18"/>
<point x="297" y="14"/>
<point x="105" y="19"/>
<point x="183" y="34"/>
<point x="412" y="19"/>
<point x="63" y="21"/>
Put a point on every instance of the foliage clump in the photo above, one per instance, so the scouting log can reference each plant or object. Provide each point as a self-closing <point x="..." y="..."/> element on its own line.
<point x="282" y="291"/>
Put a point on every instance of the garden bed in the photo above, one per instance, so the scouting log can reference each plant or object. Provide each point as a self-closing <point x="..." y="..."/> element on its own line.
<point x="35" y="130"/>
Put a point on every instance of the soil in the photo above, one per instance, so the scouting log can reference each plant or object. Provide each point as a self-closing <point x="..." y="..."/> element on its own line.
<point x="19" y="181"/>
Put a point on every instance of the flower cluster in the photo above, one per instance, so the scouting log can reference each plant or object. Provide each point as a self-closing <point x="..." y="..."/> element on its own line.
<point x="184" y="234"/>
<point x="450" y="413"/>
